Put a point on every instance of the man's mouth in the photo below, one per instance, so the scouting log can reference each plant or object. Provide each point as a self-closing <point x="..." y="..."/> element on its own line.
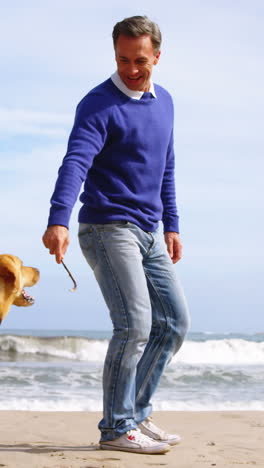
<point x="134" y="79"/>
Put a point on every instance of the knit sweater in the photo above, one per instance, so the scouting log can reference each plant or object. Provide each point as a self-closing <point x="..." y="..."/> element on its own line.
<point x="122" y="149"/>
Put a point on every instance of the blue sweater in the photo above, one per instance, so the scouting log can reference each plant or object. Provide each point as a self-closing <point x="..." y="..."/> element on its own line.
<point x="122" y="149"/>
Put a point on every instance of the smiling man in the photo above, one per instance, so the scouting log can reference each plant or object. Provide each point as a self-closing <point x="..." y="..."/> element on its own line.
<point x="135" y="58"/>
<point x="121" y="147"/>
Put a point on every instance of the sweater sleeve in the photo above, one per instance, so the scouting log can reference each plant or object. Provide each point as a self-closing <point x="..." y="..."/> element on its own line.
<point x="170" y="216"/>
<point x="86" y="140"/>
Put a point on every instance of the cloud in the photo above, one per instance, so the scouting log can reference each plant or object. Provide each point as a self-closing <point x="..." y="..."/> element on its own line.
<point x="30" y="122"/>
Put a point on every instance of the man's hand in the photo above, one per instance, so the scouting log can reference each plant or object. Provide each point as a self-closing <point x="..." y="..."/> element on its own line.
<point x="174" y="245"/>
<point x="56" y="239"/>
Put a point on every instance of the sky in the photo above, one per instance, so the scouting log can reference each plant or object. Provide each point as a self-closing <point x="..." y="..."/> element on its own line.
<point x="52" y="54"/>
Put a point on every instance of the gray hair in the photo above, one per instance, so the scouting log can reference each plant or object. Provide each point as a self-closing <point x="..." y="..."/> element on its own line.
<point x="136" y="26"/>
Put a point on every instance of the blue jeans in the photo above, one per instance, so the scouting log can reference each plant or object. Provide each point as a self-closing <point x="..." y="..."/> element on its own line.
<point x="149" y="315"/>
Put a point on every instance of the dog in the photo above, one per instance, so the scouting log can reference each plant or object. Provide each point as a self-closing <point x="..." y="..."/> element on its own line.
<point x="13" y="277"/>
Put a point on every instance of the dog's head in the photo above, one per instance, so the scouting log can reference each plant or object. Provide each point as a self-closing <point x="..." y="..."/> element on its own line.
<point x="13" y="278"/>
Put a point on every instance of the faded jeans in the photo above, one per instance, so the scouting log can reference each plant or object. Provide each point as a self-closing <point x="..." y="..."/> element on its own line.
<point x="149" y="315"/>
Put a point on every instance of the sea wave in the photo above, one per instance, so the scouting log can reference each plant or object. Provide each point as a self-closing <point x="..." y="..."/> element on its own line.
<point x="227" y="351"/>
<point x="74" y="348"/>
<point x="72" y="404"/>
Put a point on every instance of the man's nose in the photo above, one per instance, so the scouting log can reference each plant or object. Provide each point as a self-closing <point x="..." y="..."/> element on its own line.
<point x="133" y="69"/>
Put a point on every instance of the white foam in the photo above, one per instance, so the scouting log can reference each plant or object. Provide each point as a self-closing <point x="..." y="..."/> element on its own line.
<point x="210" y="405"/>
<point x="34" y="404"/>
<point x="77" y="348"/>
<point x="231" y="351"/>
<point x="31" y="404"/>
<point x="227" y="351"/>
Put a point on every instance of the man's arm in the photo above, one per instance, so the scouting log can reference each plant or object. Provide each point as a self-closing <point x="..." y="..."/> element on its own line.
<point x="170" y="214"/>
<point x="86" y="141"/>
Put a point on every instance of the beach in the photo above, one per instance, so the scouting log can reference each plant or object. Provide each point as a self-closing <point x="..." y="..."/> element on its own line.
<point x="51" y="401"/>
<point x="31" y="439"/>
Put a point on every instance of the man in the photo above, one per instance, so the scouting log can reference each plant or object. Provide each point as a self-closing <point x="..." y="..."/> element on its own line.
<point x="121" y="146"/>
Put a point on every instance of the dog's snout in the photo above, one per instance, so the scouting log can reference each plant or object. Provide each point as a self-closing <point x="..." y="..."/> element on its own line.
<point x="30" y="275"/>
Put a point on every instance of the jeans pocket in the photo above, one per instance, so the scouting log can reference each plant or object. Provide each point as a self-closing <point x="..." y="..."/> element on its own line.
<point x="87" y="244"/>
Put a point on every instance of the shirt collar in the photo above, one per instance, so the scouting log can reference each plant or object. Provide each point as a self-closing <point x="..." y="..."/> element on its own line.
<point x="129" y="92"/>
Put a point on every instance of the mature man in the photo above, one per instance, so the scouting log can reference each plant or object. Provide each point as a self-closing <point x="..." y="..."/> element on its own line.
<point x="121" y="146"/>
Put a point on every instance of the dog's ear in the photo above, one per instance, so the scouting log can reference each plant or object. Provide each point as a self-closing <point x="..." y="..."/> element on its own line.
<point x="10" y="270"/>
<point x="6" y="274"/>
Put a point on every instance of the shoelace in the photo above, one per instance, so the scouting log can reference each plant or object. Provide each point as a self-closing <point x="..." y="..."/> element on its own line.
<point x="138" y="437"/>
<point x="152" y="427"/>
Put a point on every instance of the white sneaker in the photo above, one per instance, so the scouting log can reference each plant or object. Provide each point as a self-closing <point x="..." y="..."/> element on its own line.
<point x="135" y="441"/>
<point x="148" y="428"/>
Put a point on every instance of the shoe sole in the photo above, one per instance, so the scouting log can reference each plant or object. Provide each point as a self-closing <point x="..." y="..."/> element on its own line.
<point x="160" y="451"/>
<point x="171" y="442"/>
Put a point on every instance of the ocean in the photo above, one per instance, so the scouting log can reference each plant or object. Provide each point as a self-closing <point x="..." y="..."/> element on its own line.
<point x="61" y="370"/>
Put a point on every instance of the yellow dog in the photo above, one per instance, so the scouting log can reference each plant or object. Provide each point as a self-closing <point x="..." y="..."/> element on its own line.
<point x="13" y="277"/>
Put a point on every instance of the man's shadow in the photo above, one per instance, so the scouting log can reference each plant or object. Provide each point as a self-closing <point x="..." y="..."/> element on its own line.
<point x="35" y="448"/>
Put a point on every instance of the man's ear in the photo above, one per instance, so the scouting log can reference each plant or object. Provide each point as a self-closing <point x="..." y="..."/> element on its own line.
<point x="157" y="56"/>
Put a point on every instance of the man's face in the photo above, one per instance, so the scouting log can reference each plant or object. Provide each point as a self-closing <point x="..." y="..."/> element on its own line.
<point x="135" y="58"/>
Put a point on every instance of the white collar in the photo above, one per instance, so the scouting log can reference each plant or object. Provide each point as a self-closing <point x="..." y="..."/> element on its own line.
<point x="129" y="92"/>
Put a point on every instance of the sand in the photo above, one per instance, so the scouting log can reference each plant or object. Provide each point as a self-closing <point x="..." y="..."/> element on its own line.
<point x="70" y="440"/>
